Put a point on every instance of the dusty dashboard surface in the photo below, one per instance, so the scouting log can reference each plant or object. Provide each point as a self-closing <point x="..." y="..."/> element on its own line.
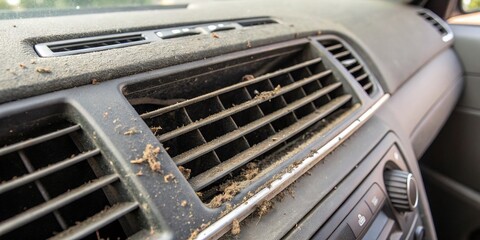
<point x="183" y="123"/>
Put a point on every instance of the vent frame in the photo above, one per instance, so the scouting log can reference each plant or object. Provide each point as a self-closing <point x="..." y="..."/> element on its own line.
<point x="103" y="181"/>
<point x="368" y="85"/>
<point x="134" y="89"/>
<point x="443" y="28"/>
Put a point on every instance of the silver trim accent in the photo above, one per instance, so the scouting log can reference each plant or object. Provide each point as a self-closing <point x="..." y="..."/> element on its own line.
<point x="222" y="225"/>
<point x="410" y="178"/>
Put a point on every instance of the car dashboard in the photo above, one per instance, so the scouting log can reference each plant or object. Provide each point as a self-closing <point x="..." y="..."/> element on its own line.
<point x="233" y="119"/>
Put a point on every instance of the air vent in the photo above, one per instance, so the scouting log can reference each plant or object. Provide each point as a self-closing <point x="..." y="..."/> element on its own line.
<point x="222" y="122"/>
<point x="256" y="22"/>
<point x="91" y="44"/>
<point x="346" y="57"/>
<point x="438" y="23"/>
<point x="53" y="184"/>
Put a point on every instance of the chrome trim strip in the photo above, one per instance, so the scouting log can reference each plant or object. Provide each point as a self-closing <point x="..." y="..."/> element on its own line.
<point x="220" y="227"/>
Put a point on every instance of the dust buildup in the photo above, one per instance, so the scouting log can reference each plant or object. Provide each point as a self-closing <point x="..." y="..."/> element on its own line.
<point x="185" y="172"/>
<point x="229" y="190"/>
<point x="264" y="208"/>
<point x="251" y="171"/>
<point x="235" y="227"/>
<point x="150" y="156"/>
<point x="269" y="94"/>
<point x="195" y="233"/>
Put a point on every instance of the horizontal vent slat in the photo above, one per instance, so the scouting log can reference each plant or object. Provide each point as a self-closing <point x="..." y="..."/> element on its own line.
<point x="37" y="140"/>
<point x="201" y="181"/>
<point x="108" y="41"/>
<point x="355" y="69"/>
<point x="241" y="107"/>
<point x="55" y="203"/>
<point x="334" y="47"/>
<point x="210" y="146"/>
<point x="98" y="221"/>
<point x="361" y="77"/>
<point x="173" y="107"/>
<point x="342" y="54"/>
<point x="46" y="171"/>
<point x="367" y="86"/>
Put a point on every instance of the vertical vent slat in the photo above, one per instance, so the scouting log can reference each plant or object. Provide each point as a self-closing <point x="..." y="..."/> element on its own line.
<point x="233" y="117"/>
<point x="343" y="53"/>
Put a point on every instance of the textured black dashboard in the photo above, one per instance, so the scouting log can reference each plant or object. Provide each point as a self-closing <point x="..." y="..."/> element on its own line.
<point x="401" y="49"/>
<point x="392" y="35"/>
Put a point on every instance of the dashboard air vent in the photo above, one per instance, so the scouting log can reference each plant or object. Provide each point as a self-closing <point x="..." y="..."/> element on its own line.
<point x="90" y="44"/>
<point x="438" y="23"/>
<point x="53" y="185"/>
<point x="223" y="122"/>
<point x="346" y="57"/>
<point x="256" y="21"/>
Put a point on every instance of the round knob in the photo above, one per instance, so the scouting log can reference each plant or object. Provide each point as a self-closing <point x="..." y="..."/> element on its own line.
<point x="402" y="189"/>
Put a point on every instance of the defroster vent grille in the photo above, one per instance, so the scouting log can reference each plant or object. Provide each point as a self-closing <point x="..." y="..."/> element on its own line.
<point x="346" y="57"/>
<point x="229" y="118"/>
<point x="52" y="185"/>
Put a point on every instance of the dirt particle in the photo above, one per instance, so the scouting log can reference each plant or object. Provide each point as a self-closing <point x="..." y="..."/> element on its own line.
<point x="169" y="177"/>
<point x="274" y="139"/>
<point x="150" y="156"/>
<point x="235" y="227"/>
<point x="229" y="191"/>
<point x="155" y="129"/>
<point x="33" y="61"/>
<point x="264" y="208"/>
<point x="23" y="66"/>
<point x="131" y="131"/>
<point x="269" y="94"/>
<point x="215" y="35"/>
<point x="183" y="203"/>
<point x="185" y="172"/>
<point x="251" y="171"/>
<point x="95" y="81"/>
<point x="43" y="70"/>
<point x="248" y="77"/>
<point x="249" y="45"/>
<point x="105" y="115"/>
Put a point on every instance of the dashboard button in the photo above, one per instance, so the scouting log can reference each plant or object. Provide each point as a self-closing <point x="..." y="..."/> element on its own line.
<point x="359" y="218"/>
<point x="374" y="198"/>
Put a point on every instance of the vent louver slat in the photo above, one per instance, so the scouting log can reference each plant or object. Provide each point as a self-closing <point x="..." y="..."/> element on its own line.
<point x="437" y="23"/>
<point x="90" y="44"/>
<point x="238" y="115"/>
<point x="345" y="56"/>
<point x="51" y="182"/>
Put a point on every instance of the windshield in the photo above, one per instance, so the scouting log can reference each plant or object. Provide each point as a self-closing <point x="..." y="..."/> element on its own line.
<point x="11" y="9"/>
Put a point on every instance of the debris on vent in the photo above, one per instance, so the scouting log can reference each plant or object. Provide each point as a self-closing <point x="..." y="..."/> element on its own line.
<point x="248" y="77"/>
<point x="169" y="177"/>
<point x="235" y="227"/>
<point x="150" y="156"/>
<point x="185" y="172"/>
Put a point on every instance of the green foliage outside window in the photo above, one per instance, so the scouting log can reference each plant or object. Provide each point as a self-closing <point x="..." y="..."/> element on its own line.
<point x="471" y="5"/>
